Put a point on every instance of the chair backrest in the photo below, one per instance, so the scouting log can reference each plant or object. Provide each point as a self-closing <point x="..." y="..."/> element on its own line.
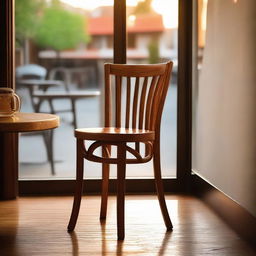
<point x="136" y="94"/>
<point x="30" y="71"/>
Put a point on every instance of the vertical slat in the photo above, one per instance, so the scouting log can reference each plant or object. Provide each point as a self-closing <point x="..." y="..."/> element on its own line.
<point x="128" y="102"/>
<point x="149" y="102"/>
<point x="118" y="100"/>
<point x="156" y="102"/>
<point x="142" y="102"/>
<point x="149" y="107"/>
<point x="135" y="103"/>
<point x="108" y="106"/>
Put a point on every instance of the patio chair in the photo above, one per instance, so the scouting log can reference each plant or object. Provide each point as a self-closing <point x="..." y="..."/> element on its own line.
<point x="39" y="96"/>
<point x="31" y="72"/>
<point x="139" y="94"/>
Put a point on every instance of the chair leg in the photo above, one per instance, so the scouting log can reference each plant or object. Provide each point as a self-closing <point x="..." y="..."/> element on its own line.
<point x="48" y="141"/>
<point x="121" y="167"/>
<point x="73" y="109"/>
<point x="159" y="187"/>
<point x="106" y="151"/>
<point x="104" y="191"/>
<point x="79" y="186"/>
<point x="51" y="106"/>
<point x="51" y="152"/>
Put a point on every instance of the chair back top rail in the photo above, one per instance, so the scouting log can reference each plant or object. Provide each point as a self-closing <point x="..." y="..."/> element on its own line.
<point x="136" y="94"/>
<point x="138" y="70"/>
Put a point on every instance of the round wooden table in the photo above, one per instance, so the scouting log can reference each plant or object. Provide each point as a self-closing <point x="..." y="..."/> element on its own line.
<point x="28" y="122"/>
<point x="9" y="128"/>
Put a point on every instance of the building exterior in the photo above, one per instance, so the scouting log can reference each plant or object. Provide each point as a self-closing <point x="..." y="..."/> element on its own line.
<point x="142" y="30"/>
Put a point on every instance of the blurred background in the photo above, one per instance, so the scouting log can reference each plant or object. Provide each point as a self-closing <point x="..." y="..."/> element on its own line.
<point x="72" y="40"/>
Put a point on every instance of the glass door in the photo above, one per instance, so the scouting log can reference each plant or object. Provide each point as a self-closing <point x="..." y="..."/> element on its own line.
<point x="152" y="36"/>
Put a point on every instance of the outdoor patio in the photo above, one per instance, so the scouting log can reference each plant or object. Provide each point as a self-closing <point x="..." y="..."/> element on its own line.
<point x="33" y="160"/>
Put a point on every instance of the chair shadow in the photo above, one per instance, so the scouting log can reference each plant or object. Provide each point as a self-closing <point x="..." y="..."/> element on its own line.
<point x="75" y="245"/>
<point x="119" y="244"/>
<point x="164" y="244"/>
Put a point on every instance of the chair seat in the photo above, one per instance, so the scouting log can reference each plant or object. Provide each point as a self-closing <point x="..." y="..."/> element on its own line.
<point x="115" y="134"/>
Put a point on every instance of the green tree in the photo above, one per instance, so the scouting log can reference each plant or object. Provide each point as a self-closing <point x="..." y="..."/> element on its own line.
<point x="60" y="29"/>
<point x="143" y="7"/>
<point x="27" y="13"/>
<point x="153" y="52"/>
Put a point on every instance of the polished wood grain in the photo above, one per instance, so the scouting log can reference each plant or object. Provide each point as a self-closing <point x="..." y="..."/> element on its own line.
<point x="110" y="133"/>
<point x="37" y="226"/>
<point x="153" y="78"/>
<point x="27" y="122"/>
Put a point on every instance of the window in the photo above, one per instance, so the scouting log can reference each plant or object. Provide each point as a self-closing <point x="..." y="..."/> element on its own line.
<point x="152" y="28"/>
<point x="77" y="62"/>
<point x="183" y="150"/>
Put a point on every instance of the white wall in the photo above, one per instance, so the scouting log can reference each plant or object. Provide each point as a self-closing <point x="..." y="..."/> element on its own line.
<point x="224" y="121"/>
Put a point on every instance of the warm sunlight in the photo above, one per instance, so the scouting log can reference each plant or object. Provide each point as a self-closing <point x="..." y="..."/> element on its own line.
<point x="92" y="4"/>
<point x="169" y="9"/>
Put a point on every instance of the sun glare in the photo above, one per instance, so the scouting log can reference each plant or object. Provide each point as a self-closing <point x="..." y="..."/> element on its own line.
<point x="92" y="4"/>
<point x="168" y="8"/>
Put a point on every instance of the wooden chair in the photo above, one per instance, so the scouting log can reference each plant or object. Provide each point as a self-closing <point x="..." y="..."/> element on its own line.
<point x="137" y="122"/>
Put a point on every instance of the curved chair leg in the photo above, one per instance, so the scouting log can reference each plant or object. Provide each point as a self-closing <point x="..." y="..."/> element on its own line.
<point x="159" y="187"/>
<point x="121" y="167"/>
<point x="79" y="186"/>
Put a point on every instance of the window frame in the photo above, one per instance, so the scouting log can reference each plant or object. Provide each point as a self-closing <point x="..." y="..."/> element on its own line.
<point x="179" y="184"/>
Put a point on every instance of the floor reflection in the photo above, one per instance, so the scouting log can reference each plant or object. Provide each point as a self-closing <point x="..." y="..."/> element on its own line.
<point x="167" y="237"/>
<point x="120" y="248"/>
<point x="8" y="231"/>
<point x="74" y="240"/>
<point x="37" y="226"/>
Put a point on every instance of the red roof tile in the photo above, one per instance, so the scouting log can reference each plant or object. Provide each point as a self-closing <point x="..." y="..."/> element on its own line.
<point x="142" y="24"/>
<point x="147" y="23"/>
<point x="100" y="26"/>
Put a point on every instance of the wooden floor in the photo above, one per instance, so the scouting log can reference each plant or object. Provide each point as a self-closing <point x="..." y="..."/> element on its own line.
<point x="37" y="226"/>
